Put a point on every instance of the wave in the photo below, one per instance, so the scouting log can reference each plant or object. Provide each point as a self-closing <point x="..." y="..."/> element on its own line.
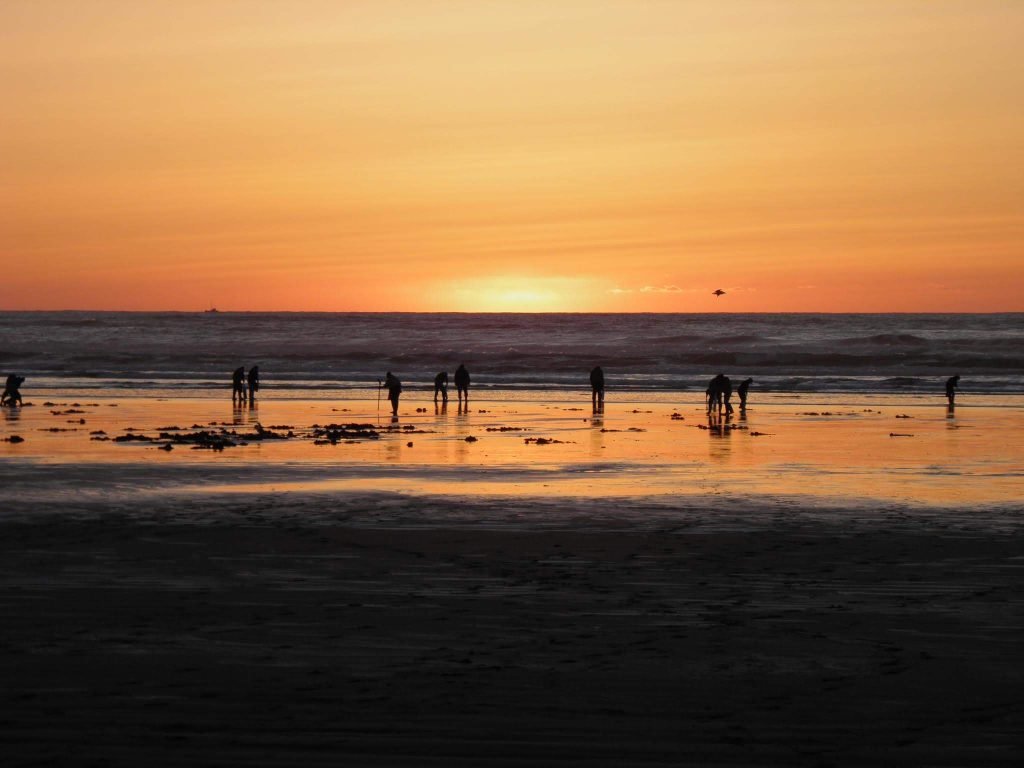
<point x="741" y="338"/>
<point x="904" y="381"/>
<point x="860" y="352"/>
<point x="290" y="363"/>
<point x="887" y="340"/>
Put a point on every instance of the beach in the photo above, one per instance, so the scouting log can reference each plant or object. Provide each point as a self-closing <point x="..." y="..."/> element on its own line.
<point x="278" y="631"/>
<point x="512" y="384"/>
<point x="647" y="587"/>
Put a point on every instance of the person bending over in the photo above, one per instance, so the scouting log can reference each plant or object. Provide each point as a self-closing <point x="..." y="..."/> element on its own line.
<point x="741" y="390"/>
<point x="12" y="395"/>
<point x="441" y="386"/>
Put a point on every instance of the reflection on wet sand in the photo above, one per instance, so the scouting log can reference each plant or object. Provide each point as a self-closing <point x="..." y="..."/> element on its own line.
<point x="720" y="434"/>
<point x="834" y="450"/>
<point x="596" y="441"/>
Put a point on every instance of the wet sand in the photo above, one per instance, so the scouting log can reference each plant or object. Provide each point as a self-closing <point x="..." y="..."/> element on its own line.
<point x="443" y="605"/>
<point x="809" y="450"/>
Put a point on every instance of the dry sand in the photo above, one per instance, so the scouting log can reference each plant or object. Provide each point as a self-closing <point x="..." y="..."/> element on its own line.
<point x="382" y="630"/>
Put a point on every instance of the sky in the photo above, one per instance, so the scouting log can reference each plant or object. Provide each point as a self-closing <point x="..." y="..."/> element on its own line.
<point x="535" y="155"/>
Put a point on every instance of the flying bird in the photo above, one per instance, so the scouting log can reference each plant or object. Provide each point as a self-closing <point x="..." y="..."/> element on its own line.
<point x="719" y="292"/>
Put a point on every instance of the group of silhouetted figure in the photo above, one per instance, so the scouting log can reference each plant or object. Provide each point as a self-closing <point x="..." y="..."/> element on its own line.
<point x="244" y="386"/>
<point x="461" y="384"/>
<point x="394" y="387"/>
<point x="719" y="394"/>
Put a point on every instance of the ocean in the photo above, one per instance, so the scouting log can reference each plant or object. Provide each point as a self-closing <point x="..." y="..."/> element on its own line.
<point x="316" y="355"/>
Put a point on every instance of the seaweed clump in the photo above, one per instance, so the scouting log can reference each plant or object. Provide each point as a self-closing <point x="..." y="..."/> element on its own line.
<point x="332" y="434"/>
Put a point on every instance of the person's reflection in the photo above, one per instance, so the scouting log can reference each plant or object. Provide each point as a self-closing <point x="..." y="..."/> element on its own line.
<point x="460" y="432"/>
<point x="11" y="414"/>
<point x="393" y="449"/>
<point x="596" y="434"/>
<point x="720" y="434"/>
<point x="238" y="413"/>
<point x="441" y="409"/>
<point x="597" y="388"/>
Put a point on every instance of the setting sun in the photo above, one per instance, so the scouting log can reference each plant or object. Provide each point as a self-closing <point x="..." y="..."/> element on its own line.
<point x="519" y="294"/>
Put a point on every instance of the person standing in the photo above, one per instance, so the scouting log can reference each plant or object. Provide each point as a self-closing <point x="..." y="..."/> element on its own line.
<point x="741" y="390"/>
<point x="441" y="386"/>
<point x="238" y="385"/>
<point x="952" y="384"/>
<point x="713" y="394"/>
<point x="597" y="388"/>
<point x="462" y="382"/>
<point x="727" y="394"/>
<point x="394" y="388"/>
<point x="253" y="379"/>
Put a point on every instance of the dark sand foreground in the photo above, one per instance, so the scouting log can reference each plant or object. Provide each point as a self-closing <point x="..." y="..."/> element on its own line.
<point x="367" y="631"/>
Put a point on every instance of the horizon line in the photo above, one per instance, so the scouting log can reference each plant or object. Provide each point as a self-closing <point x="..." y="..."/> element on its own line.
<point x="464" y="312"/>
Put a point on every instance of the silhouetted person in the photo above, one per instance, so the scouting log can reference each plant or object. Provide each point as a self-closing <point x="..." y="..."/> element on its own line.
<point x="238" y="384"/>
<point x="441" y="386"/>
<point x="394" y="388"/>
<point x="597" y="387"/>
<point x="462" y="382"/>
<point x="253" y="379"/>
<point x="12" y="395"/>
<point x="713" y="393"/>
<point x="741" y="390"/>
<point x="952" y="384"/>
<point x="727" y="394"/>
<point x="718" y="393"/>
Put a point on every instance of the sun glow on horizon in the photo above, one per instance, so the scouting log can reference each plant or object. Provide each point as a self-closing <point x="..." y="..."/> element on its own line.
<point x="504" y="293"/>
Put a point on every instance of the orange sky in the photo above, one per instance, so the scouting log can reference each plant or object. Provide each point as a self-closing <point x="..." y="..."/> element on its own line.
<point x="861" y="155"/>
